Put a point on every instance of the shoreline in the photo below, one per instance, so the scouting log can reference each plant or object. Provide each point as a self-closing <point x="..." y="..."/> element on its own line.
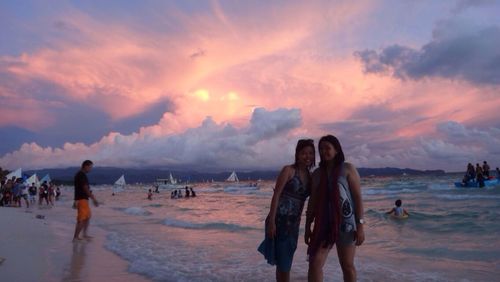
<point x="42" y="249"/>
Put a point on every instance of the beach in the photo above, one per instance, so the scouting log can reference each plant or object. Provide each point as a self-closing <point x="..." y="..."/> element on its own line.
<point x="451" y="235"/>
<point x="42" y="249"/>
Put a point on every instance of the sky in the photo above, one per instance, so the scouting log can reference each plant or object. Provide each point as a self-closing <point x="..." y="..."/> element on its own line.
<point x="221" y="85"/>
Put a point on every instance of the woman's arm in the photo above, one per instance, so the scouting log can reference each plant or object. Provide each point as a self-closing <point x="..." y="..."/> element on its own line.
<point x="391" y="211"/>
<point x="311" y="206"/>
<point x="355" y="186"/>
<point x="283" y="178"/>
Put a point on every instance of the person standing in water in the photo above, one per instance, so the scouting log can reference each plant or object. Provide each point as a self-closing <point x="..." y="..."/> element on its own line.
<point x="82" y="195"/>
<point x="336" y="209"/>
<point x="479" y="175"/>
<point x="398" y="210"/>
<point x="486" y="169"/>
<point x="282" y="223"/>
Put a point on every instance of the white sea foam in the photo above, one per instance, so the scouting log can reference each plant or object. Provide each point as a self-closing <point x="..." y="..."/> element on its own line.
<point x="466" y="197"/>
<point x="388" y="192"/>
<point x="208" y="225"/>
<point x="136" y="211"/>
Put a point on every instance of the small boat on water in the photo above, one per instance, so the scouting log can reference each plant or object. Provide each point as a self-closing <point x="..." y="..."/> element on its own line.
<point x="169" y="183"/>
<point x="233" y="184"/>
<point x="119" y="185"/>
<point x="475" y="184"/>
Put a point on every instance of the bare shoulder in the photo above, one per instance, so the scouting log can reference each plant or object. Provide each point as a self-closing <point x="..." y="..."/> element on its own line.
<point x="351" y="169"/>
<point x="287" y="170"/>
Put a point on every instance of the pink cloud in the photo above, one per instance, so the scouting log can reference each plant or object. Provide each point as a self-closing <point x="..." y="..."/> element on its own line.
<point x="224" y="66"/>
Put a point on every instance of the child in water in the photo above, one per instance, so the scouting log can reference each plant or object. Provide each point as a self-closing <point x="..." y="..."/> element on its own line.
<point x="150" y="195"/>
<point x="398" y="211"/>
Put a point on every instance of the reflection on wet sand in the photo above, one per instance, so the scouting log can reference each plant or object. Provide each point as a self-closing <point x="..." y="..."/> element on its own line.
<point x="73" y="271"/>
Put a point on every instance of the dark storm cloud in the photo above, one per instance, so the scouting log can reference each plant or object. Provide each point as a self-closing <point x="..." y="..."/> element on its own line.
<point x="473" y="56"/>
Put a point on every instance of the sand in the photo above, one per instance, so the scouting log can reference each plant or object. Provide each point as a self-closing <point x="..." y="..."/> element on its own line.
<point x="37" y="249"/>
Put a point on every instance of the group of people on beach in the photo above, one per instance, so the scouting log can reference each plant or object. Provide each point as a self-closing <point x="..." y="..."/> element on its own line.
<point x="188" y="193"/>
<point x="13" y="191"/>
<point x="334" y="215"/>
<point x="479" y="174"/>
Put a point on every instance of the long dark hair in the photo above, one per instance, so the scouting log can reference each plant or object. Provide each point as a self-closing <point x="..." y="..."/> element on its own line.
<point x="301" y="144"/>
<point x="339" y="157"/>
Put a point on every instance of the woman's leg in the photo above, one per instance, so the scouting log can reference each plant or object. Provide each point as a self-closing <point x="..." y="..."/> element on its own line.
<point x="315" y="273"/>
<point x="346" y="260"/>
<point x="282" y="276"/>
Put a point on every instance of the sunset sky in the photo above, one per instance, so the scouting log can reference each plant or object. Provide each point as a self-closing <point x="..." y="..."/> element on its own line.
<point x="221" y="85"/>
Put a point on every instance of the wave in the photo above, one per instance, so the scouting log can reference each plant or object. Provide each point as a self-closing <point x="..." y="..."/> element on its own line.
<point x="136" y="211"/>
<point x="389" y="192"/>
<point x="211" y="189"/>
<point x="208" y="225"/>
<point x="240" y="188"/>
<point x="441" y="186"/>
<point x="460" y="197"/>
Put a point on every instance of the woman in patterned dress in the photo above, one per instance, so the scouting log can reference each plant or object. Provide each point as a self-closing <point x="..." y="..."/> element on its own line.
<point x="282" y="223"/>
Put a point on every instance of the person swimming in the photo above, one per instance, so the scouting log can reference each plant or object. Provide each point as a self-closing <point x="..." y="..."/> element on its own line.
<point x="398" y="210"/>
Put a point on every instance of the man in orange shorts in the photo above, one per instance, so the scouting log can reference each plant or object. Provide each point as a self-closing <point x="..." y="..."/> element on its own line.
<point x="82" y="195"/>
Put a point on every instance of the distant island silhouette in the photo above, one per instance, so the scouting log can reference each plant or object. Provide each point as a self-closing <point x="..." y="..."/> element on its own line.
<point x="108" y="175"/>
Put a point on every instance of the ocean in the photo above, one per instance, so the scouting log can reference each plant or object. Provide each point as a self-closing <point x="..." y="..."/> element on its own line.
<point x="452" y="234"/>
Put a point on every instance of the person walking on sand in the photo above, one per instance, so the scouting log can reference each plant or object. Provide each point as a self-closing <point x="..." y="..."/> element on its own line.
<point x="32" y="193"/>
<point x="82" y="195"/>
<point x="51" y="193"/>
<point x="24" y="195"/>
<point x="283" y="222"/>
<point x="43" y="193"/>
<point x="336" y="209"/>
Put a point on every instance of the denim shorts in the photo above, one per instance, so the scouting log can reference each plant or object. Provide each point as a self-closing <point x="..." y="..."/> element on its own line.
<point x="346" y="239"/>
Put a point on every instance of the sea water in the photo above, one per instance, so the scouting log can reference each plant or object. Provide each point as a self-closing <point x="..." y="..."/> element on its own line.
<point x="452" y="234"/>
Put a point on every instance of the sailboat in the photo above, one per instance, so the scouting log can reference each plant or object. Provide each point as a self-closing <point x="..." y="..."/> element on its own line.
<point x="168" y="183"/>
<point x="233" y="177"/>
<point x="18" y="173"/>
<point x="33" y="179"/>
<point x="234" y="184"/>
<point x="46" y="178"/>
<point x="119" y="185"/>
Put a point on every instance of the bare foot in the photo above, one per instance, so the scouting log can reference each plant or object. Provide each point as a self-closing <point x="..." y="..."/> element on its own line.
<point x="77" y="239"/>
<point x="87" y="237"/>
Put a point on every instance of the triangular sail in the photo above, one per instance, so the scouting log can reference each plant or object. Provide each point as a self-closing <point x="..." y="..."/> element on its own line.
<point x="32" y="179"/>
<point x="18" y="173"/>
<point x="172" y="179"/>
<point x="121" y="181"/>
<point x="233" y="177"/>
<point x="46" y="178"/>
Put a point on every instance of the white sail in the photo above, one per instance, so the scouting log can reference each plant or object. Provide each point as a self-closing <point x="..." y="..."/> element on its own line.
<point x="121" y="181"/>
<point x="233" y="177"/>
<point x="18" y="173"/>
<point x="46" y="178"/>
<point x="172" y="179"/>
<point x="31" y="180"/>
